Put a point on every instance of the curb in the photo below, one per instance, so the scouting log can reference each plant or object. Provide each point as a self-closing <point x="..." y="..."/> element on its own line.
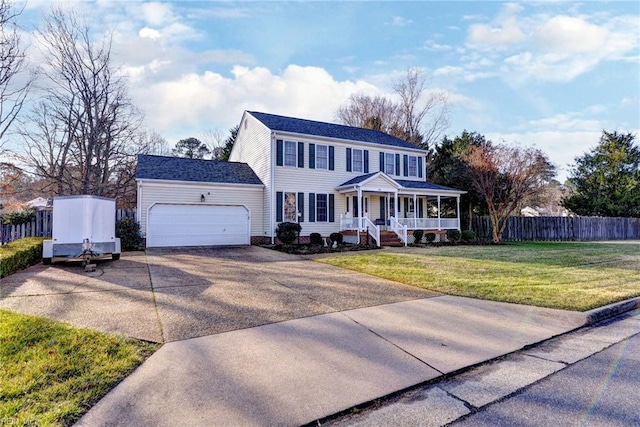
<point x="612" y="310"/>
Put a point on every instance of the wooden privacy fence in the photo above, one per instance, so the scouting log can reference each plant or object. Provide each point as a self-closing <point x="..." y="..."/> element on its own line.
<point x="41" y="225"/>
<point x="561" y="228"/>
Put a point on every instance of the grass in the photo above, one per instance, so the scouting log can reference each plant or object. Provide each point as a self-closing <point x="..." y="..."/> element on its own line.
<point x="573" y="276"/>
<point x="52" y="373"/>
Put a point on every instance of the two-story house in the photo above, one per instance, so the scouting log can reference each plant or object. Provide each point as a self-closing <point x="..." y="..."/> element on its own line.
<point x="325" y="176"/>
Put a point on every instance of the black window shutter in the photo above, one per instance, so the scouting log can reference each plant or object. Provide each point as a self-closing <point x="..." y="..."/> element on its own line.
<point x="420" y="209"/>
<point x="312" y="156"/>
<point x="312" y="207"/>
<point x="279" y="200"/>
<point x="332" y="163"/>
<point x="348" y="159"/>
<point x="382" y="207"/>
<point x="398" y="164"/>
<point x="301" y="207"/>
<point x="332" y="207"/>
<point x="381" y="161"/>
<point x="355" y="206"/>
<point x="366" y="161"/>
<point x="279" y="153"/>
<point x="406" y="206"/>
<point x="405" y="160"/>
<point x="419" y="167"/>
<point x="300" y="154"/>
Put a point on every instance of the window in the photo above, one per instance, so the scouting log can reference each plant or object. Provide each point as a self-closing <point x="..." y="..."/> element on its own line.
<point x="322" y="157"/>
<point x="413" y="166"/>
<point x="357" y="160"/>
<point x="290" y="212"/>
<point x="389" y="163"/>
<point x="322" y="208"/>
<point x="290" y="154"/>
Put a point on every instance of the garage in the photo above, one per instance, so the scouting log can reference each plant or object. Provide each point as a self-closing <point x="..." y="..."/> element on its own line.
<point x="197" y="225"/>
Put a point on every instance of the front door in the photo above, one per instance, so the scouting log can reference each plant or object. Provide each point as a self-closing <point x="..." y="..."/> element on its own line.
<point x="365" y="206"/>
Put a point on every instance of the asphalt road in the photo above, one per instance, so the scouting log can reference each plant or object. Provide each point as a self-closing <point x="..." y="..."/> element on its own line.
<point x="601" y="390"/>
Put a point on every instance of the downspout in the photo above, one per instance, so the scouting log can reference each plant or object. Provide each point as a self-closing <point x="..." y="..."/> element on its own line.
<point x="273" y="193"/>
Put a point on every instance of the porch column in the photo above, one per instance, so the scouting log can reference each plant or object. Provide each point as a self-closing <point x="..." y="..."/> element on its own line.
<point x="439" y="226"/>
<point x="415" y="211"/>
<point x="458" y="203"/>
<point x="396" y="202"/>
<point x="360" y="212"/>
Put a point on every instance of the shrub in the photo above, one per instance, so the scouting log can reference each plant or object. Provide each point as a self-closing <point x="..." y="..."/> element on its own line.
<point x="336" y="237"/>
<point x="315" y="239"/>
<point x="430" y="237"/>
<point x="453" y="236"/>
<point x="287" y="232"/>
<point x="468" y="236"/>
<point x="18" y="218"/>
<point x="417" y="236"/>
<point x="128" y="230"/>
<point x="20" y="254"/>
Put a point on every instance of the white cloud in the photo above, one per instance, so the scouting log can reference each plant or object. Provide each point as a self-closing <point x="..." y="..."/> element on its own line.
<point x="432" y="45"/>
<point x="399" y="21"/>
<point x="149" y="33"/>
<point x="208" y="100"/>
<point x="155" y="13"/>
<point x="548" y="48"/>
<point x="566" y="34"/>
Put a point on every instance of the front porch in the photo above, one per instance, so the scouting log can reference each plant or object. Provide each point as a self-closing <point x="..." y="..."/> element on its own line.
<point x="378" y="203"/>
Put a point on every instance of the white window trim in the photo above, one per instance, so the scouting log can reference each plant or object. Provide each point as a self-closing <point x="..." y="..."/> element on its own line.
<point x="327" y="206"/>
<point x="284" y="206"/>
<point x="393" y="156"/>
<point x="353" y="160"/>
<point x="409" y="166"/>
<point x="284" y="154"/>
<point x="327" y="152"/>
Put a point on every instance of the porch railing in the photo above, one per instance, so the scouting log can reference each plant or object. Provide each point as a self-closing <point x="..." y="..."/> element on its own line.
<point x="374" y="230"/>
<point x="399" y="229"/>
<point x="430" y="223"/>
<point x="360" y="224"/>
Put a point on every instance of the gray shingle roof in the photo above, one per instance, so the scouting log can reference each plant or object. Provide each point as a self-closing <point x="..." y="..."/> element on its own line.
<point x="330" y="130"/>
<point x="422" y="185"/>
<point x="195" y="170"/>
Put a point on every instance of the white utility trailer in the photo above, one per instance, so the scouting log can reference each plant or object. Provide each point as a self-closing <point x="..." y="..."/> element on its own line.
<point x="83" y="226"/>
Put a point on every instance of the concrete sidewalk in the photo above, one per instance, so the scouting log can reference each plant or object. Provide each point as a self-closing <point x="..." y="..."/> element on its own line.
<point x="298" y="371"/>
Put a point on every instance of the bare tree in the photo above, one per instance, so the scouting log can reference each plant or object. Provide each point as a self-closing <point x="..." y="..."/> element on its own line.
<point x="371" y="112"/>
<point x="14" y="83"/>
<point x="508" y="177"/>
<point x="424" y="114"/>
<point x="81" y="130"/>
<point x="214" y="140"/>
<point x="420" y="117"/>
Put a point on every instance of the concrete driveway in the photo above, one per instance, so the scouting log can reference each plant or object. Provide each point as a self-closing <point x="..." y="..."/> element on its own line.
<point x="168" y="295"/>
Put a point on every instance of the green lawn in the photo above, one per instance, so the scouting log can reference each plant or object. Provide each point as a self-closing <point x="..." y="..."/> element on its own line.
<point x="574" y="276"/>
<point x="52" y="373"/>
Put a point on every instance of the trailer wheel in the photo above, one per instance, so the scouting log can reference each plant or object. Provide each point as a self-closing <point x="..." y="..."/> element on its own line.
<point x="115" y="257"/>
<point x="46" y="261"/>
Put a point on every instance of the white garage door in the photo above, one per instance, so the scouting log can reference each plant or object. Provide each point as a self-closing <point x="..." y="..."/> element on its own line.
<point x="197" y="225"/>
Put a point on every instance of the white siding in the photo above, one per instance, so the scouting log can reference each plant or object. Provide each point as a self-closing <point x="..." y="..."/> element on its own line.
<point x="305" y="180"/>
<point x="253" y="147"/>
<point x="150" y="192"/>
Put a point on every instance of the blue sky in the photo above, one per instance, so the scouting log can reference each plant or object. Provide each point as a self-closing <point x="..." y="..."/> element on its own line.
<point x="551" y="74"/>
